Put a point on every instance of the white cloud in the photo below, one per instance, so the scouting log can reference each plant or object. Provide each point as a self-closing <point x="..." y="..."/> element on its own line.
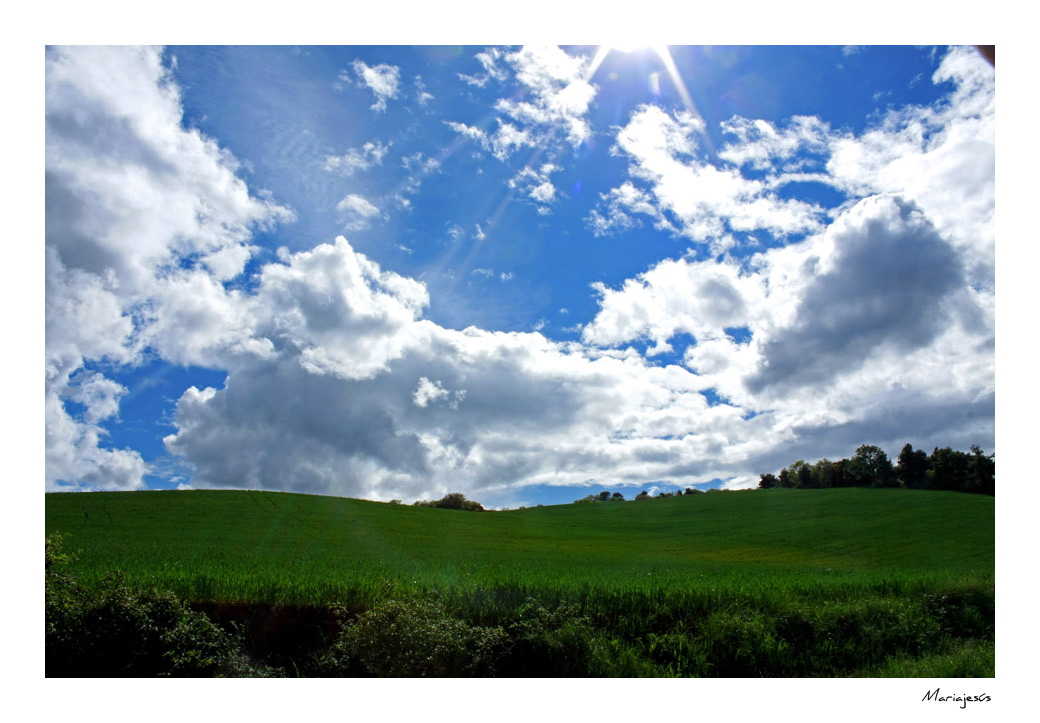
<point x="131" y="198"/>
<point x="471" y="132"/>
<point x="559" y="93"/>
<point x="535" y="183"/>
<point x="337" y="384"/>
<point x="337" y="311"/>
<point x="357" y="211"/>
<point x="696" y="198"/>
<point x="365" y="398"/>
<point x="358" y="159"/>
<point x="548" y="113"/>
<point x="762" y="145"/>
<point x="940" y="157"/>
<point x="384" y="80"/>
<point x="427" y="392"/>
<point x="489" y="61"/>
<point x="422" y="97"/>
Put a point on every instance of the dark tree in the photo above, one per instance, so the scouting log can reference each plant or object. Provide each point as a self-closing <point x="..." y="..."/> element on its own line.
<point x="948" y="469"/>
<point x="765" y="482"/>
<point x="801" y="473"/>
<point x="823" y="473"/>
<point x="983" y="471"/>
<point x="604" y="496"/>
<point x="784" y="480"/>
<point x="617" y="497"/>
<point x="452" y="501"/>
<point x="872" y="467"/>
<point x="912" y="468"/>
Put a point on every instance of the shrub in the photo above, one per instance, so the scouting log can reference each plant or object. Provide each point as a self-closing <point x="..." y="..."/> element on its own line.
<point x="412" y="638"/>
<point x="114" y="630"/>
<point x="552" y="643"/>
<point x="452" y="501"/>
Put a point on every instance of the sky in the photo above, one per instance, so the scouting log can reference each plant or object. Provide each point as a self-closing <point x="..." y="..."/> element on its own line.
<point x="527" y="274"/>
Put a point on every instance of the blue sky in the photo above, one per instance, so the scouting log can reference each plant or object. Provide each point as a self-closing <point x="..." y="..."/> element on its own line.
<point x="523" y="273"/>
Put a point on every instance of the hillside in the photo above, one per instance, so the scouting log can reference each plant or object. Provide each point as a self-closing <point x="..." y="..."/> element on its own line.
<point x="279" y="547"/>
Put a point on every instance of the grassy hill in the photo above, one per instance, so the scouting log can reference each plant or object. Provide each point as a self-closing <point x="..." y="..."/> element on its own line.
<point x="640" y="569"/>
<point x="290" y="548"/>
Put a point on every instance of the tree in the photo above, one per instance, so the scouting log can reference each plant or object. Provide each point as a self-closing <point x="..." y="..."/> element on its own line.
<point x="784" y="480"/>
<point x="912" y="467"/>
<point x="643" y="495"/>
<point x="604" y="496"/>
<point x="948" y="469"/>
<point x="801" y="473"/>
<point x="617" y="497"/>
<point x="983" y="471"/>
<point x="823" y="473"/>
<point x="452" y="501"/>
<point x="765" y="482"/>
<point x="871" y="466"/>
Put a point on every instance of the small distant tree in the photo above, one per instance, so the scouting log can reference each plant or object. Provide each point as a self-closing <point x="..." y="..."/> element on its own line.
<point x="785" y="480"/>
<point x="604" y="496"/>
<point x="765" y="482"/>
<point x="617" y="497"/>
<point x="643" y="495"/>
<point x="452" y="501"/>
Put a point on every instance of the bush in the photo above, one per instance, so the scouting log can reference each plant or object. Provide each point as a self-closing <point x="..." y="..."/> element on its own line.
<point x="452" y="501"/>
<point x="412" y="638"/>
<point x="552" y="643"/>
<point x="114" y="630"/>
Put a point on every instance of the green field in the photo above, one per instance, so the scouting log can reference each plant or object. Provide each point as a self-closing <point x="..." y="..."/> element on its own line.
<point x="765" y="582"/>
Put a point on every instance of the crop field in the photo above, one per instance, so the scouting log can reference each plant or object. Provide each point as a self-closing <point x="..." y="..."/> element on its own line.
<point x="766" y="582"/>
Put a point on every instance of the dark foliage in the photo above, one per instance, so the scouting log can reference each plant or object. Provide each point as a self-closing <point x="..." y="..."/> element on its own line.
<point x="115" y="631"/>
<point x="412" y="638"/>
<point x="452" y="501"/>
<point x="946" y="469"/>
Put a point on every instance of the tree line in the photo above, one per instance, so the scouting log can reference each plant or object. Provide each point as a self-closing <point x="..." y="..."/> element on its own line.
<point x="945" y="469"/>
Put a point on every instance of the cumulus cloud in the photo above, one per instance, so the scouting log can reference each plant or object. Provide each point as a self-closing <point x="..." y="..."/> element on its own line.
<point x="357" y="211"/>
<point x="337" y="384"/>
<point x="763" y="146"/>
<point x="680" y="190"/>
<point x="559" y="94"/>
<point x="383" y="80"/>
<point x="536" y="184"/>
<point x="940" y="157"/>
<point x="384" y="403"/>
<point x="140" y="214"/>
<point x="675" y="296"/>
<point x="886" y="283"/>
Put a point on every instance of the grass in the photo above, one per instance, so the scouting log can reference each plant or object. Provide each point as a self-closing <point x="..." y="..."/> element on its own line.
<point x="778" y="582"/>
